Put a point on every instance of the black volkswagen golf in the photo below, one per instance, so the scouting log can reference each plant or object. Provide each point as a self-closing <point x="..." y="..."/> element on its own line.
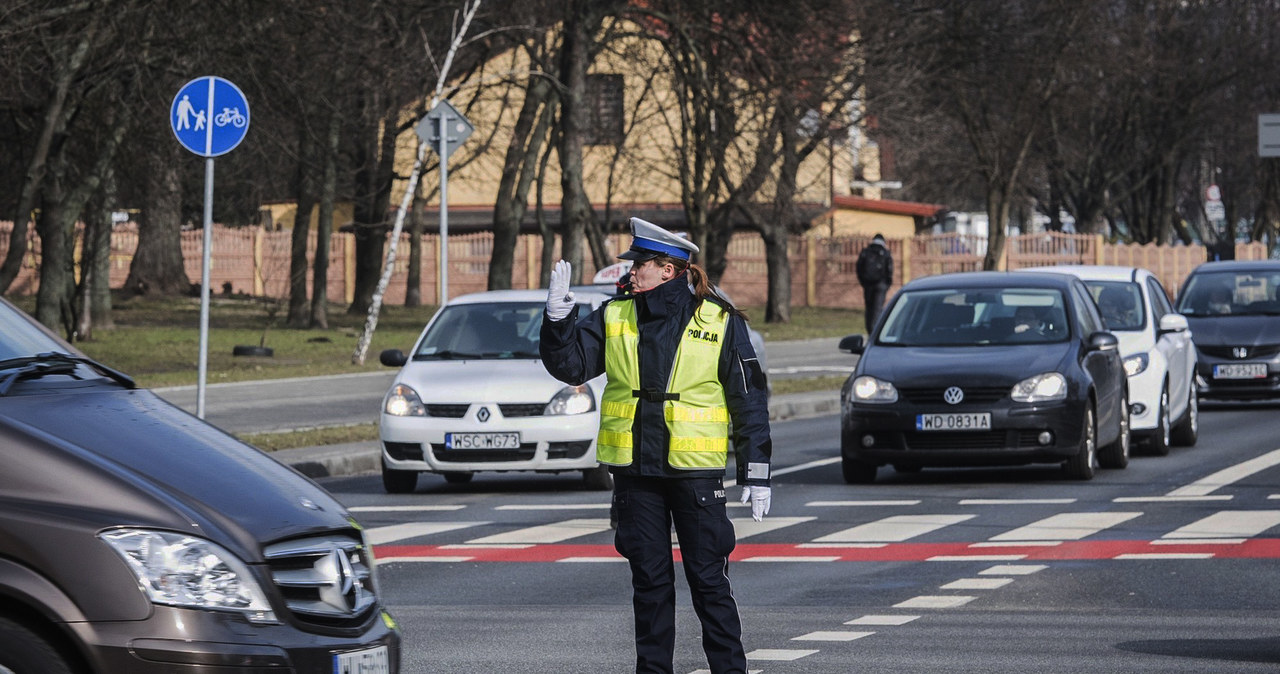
<point x="986" y="368"/>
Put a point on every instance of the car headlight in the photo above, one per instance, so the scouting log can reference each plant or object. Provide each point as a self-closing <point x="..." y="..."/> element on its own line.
<point x="867" y="389"/>
<point x="571" y="400"/>
<point x="1040" y="388"/>
<point x="181" y="570"/>
<point x="1136" y="364"/>
<point x="403" y="401"/>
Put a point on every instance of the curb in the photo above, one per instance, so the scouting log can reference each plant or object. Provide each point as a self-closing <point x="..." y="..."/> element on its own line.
<point x="363" y="458"/>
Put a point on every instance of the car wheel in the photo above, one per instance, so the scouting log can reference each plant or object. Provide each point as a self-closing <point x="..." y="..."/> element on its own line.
<point x="22" y="650"/>
<point x="1080" y="466"/>
<point x="1159" y="442"/>
<point x="458" y="477"/>
<point x="597" y="479"/>
<point x="1187" y="431"/>
<point x="398" y="481"/>
<point x="1116" y="454"/>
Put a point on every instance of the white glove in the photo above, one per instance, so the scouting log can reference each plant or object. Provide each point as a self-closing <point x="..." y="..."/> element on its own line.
<point x="760" y="498"/>
<point x="559" y="299"/>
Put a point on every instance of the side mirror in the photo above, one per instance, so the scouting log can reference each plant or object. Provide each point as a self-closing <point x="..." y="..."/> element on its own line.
<point x="1173" y="323"/>
<point x="1103" y="341"/>
<point x="853" y="344"/>
<point x="392" y="358"/>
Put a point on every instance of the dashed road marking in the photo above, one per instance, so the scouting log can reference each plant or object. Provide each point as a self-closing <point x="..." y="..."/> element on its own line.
<point x="935" y="601"/>
<point x="884" y="620"/>
<point x="832" y="636"/>
<point x="977" y="584"/>
<point x="779" y="654"/>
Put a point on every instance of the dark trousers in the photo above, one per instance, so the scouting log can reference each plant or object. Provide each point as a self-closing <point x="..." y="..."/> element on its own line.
<point x="873" y="298"/>
<point x="647" y="507"/>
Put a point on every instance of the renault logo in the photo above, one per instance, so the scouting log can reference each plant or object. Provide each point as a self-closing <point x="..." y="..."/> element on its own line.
<point x="483" y="414"/>
<point x="1240" y="352"/>
<point x="953" y="395"/>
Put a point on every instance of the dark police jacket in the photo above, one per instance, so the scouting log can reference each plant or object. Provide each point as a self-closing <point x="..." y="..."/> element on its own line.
<point x="573" y="352"/>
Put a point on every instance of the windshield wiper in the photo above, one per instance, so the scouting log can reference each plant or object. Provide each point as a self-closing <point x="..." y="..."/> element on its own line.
<point x="41" y="364"/>
<point x="447" y="354"/>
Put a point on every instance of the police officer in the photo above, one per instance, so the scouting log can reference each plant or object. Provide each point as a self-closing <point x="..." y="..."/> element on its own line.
<point x="684" y="387"/>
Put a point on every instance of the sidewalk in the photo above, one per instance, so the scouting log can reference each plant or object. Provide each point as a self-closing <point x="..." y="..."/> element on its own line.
<point x="359" y="458"/>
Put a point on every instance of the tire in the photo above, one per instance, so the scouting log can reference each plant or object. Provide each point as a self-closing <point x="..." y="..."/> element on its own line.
<point x="1158" y="443"/>
<point x="258" y="351"/>
<point x="1116" y="454"/>
<point x="1187" y="431"/>
<point x="597" y="479"/>
<point x="22" y="650"/>
<point x="457" y="477"/>
<point x="1080" y="466"/>
<point x="398" y="481"/>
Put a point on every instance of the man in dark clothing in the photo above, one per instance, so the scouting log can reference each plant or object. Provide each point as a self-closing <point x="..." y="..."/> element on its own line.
<point x="875" y="273"/>
<point x="684" y="386"/>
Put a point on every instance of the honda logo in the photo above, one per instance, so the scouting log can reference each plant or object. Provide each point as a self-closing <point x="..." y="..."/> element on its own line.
<point x="953" y="395"/>
<point x="1240" y="352"/>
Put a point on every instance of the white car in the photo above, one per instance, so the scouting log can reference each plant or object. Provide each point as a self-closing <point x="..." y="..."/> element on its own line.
<point x="473" y="396"/>
<point x="1155" y="343"/>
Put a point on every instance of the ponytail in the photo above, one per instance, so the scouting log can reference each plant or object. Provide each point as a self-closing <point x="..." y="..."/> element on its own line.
<point x="701" y="284"/>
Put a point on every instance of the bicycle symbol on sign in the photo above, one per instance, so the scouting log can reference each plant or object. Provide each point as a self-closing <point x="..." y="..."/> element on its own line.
<point x="230" y="116"/>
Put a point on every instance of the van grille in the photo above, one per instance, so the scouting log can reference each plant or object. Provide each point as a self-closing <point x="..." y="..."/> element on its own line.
<point x="325" y="581"/>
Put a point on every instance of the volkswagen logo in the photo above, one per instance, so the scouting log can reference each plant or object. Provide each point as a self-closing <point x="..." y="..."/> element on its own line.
<point x="483" y="414"/>
<point x="1240" y="352"/>
<point x="953" y="395"/>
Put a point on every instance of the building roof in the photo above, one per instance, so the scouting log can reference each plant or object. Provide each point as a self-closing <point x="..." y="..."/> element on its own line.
<point x="889" y="206"/>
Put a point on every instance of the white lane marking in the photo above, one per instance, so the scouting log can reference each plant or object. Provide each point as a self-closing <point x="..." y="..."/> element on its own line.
<point x="796" y="558"/>
<point x="556" y="506"/>
<point x="1065" y="527"/>
<point x="883" y="620"/>
<point x="1228" y="524"/>
<point x="935" y="601"/>
<point x="399" y="532"/>
<point x="747" y="527"/>
<point x="779" y="654"/>
<point x="847" y="504"/>
<point x="832" y="636"/>
<point x="1017" y="501"/>
<point x="1166" y="555"/>
<point x="488" y="546"/>
<point x="843" y="545"/>
<point x="404" y="508"/>
<point x="592" y="559"/>
<point x="1013" y="569"/>
<point x="547" y="533"/>
<point x="1198" y="541"/>
<point x="1170" y="499"/>
<point x="977" y="584"/>
<point x="390" y="560"/>
<point x="806" y="466"/>
<point x="976" y="558"/>
<point x="1211" y="483"/>
<point x="1020" y="544"/>
<point x="894" y="529"/>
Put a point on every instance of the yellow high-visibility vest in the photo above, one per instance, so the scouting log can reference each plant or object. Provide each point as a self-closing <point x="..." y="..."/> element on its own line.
<point x="696" y="415"/>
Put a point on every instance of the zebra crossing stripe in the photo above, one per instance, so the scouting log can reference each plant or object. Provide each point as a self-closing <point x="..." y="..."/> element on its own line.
<point x="1066" y="526"/>
<point x="1228" y="524"/>
<point x="893" y="529"/>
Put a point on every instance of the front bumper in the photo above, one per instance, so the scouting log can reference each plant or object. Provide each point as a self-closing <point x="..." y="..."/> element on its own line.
<point x="1209" y="386"/>
<point x="547" y="443"/>
<point x="186" y="641"/>
<point x="1014" y="437"/>
<point x="1145" y="389"/>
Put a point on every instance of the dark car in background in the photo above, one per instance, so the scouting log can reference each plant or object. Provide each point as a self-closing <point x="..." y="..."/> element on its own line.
<point x="986" y="369"/>
<point x="1233" y="309"/>
<point x="134" y="537"/>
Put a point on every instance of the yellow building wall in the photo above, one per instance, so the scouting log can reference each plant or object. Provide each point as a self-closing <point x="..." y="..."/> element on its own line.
<point x="850" y="222"/>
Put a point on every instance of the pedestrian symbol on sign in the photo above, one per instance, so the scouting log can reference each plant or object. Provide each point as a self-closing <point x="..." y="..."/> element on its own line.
<point x="210" y="116"/>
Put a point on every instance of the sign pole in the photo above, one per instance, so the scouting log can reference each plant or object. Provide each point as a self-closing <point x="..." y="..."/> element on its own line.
<point x="203" y="367"/>
<point x="444" y="210"/>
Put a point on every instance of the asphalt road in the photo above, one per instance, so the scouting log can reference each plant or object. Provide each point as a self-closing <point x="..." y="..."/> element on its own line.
<point x="339" y="400"/>
<point x="1167" y="566"/>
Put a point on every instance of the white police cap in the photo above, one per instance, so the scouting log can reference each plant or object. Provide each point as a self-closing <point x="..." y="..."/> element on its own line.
<point x="649" y="240"/>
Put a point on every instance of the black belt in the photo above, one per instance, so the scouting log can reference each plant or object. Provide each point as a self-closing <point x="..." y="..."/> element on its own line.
<point x="654" y="396"/>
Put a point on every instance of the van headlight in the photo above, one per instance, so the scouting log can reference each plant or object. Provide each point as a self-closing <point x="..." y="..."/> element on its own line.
<point x="1040" y="388"/>
<point x="1135" y="364"/>
<point x="571" y="400"/>
<point x="867" y="389"/>
<point x="180" y="570"/>
<point x="403" y="401"/>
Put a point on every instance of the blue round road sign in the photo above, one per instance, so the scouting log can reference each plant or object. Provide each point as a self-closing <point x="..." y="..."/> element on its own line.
<point x="209" y="116"/>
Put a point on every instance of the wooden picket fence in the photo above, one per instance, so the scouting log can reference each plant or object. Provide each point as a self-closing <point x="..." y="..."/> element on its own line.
<point x="255" y="261"/>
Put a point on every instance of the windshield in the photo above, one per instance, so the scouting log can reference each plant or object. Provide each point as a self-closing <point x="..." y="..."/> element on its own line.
<point x="20" y="338"/>
<point x="490" y="330"/>
<point x="996" y="316"/>
<point x="1231" y="293"/>
<point x="1120" y="303"/>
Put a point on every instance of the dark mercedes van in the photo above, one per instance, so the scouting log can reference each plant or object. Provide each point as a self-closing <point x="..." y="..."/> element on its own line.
<point x="136" y="538"/>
